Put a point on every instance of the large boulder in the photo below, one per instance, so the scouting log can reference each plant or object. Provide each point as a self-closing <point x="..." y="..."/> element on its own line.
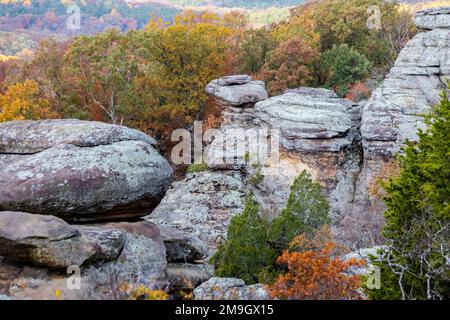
<point x="28" y="137"/>
<point x="230" y="289"/>
<point x="140" y="261"/>
<point x="50" y="242"/>
<point x="309" y="120"/>
<point x="80" y="170"/>
<point x="238" y="90"/>
<point x="188" y="276"/>
<point x="319" y="133"/>
<point x="202" y="204"/>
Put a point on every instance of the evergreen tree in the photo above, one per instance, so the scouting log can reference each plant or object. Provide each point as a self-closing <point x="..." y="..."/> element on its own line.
<point x="418" y="216"/>
<point x="247" y="249"/>
<point x="306" y="211"/>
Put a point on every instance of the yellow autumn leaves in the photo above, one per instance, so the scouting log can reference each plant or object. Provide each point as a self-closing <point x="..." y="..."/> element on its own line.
<point x="21" y="101"/>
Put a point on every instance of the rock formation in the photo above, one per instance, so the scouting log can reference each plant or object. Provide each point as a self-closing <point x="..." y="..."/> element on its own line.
<point x="80" y="171"/>
<point x="56" y="172"/>
<point x="230" y="289"/>
<point x="393" y="115"/>
<point x="347" y="147"/>
<point x="203" y="205"/>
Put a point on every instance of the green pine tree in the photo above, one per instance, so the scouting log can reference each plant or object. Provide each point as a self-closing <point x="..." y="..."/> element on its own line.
<point x="418" y="216"/>
<point x="247" y="249"/>
<point x="306" y="211"/>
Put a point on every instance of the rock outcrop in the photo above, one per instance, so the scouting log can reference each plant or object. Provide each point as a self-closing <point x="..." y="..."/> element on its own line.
<point x="79" y="170"/>
<point x="434" y="18"/>
<point x="202" y="204"/>
<point x="56" y="172"/>
<point x="186" y="276"/>
<point x="309" y="120"/>
<point x="182" y="246"/>
<point x="230" y="289"/>
<point x="346" y="146"/>
<point x="50" y="242"/>
<point x="393" y="115"/>
<point x="318" y="132"/>
<point x="134" y="254"/>
<point x="238" y="90"/>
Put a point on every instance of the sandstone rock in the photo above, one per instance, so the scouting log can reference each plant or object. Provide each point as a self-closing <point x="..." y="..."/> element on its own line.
<point x="141" y="261"/>
<point x="202" y="204"/>
<point x="85" y="181"/>
<point x="50" y="242"/>
<point x="237" y="90"/>
<point x="188" y="276"/>
<point x="230" y="289"/>
<point x="393" y="114"/>
<point x="28" y="137"/>
<point x="182" y="246"/>
<point x="433" y="18"/>
<point x="234" y="80"/>
<point x="309" y="120"/>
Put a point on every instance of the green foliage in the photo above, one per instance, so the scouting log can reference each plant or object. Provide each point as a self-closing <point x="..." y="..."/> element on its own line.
<point x="289" y="66"/>
<point x="389" y="289"/>
<point x="418" y="215"/>
<point x="345" y="21"/>
<point x="246" y="252"/>
<point x="253" y="50"/>
<point x="342" y="66"/>
<point x="197" y="167"/>
<point x="254" y="244"/>
<point x="306" y="211"/>
<point x="257" y="178"/>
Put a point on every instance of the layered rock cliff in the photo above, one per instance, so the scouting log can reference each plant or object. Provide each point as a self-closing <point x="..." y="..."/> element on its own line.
<point x="346" y="146"/>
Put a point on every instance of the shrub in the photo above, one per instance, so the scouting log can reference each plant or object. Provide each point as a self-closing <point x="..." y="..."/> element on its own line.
<point x="289" y="66"/>
<point x="144" y="293"/>
<point x="357" y="92"/>
<point x="315" y="273"/>
<point x="253" y="244"/>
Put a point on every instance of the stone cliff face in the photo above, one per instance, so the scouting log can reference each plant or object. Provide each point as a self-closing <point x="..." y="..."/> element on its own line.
<point x="56" y="174"/>
<point x="393" y="115"/>
<point x="347" y="147"/>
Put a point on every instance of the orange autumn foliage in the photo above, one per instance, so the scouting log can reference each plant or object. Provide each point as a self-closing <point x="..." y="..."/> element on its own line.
<point x="315" y="272"/>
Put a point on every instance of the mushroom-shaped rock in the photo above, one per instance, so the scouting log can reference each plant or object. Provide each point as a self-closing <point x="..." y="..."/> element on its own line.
<point x="80" y="170"/>
<point x="237" y="90"/>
